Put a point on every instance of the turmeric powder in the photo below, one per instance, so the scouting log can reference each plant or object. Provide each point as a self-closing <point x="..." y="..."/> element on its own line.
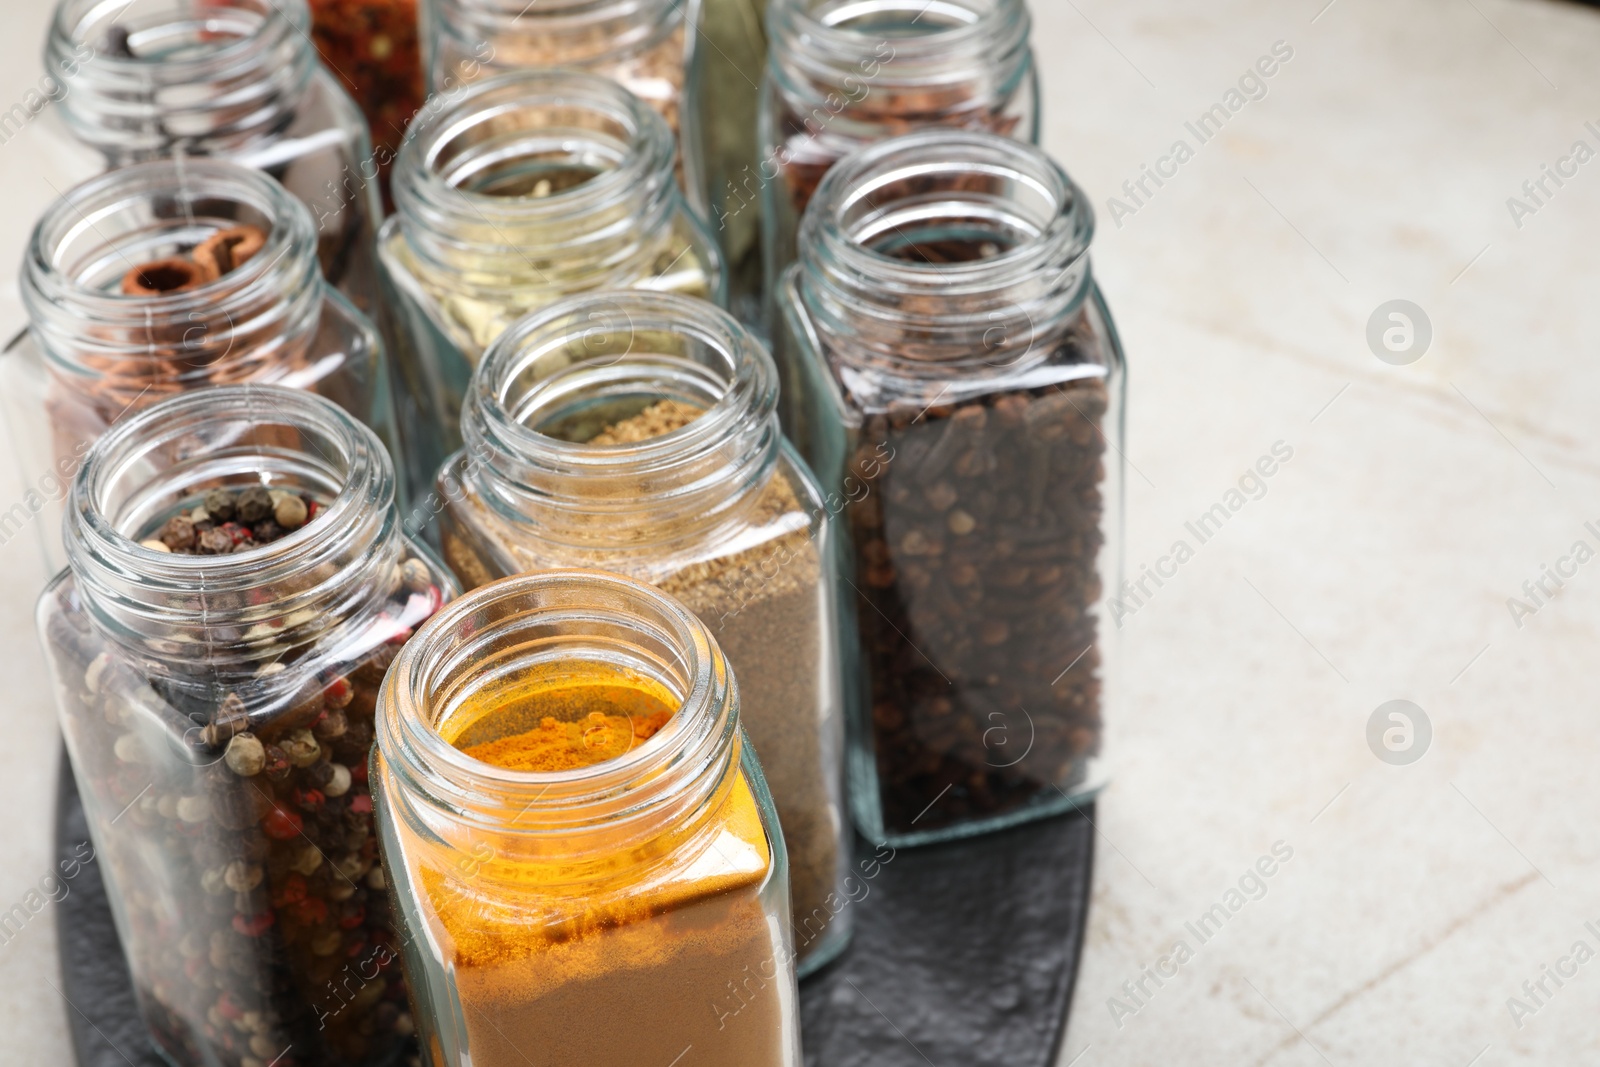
<point x="584" y="718"/>
<point x="626" y="968"/>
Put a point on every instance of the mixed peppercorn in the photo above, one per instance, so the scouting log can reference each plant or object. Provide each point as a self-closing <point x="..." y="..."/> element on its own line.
<point x="250" y="883"/>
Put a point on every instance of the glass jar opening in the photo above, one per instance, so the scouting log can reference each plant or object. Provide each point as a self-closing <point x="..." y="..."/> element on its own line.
<point x="526" y="161"/>
<point x="947" y="247"/>
<point x="820" y="45"/>
<point x="246" y="606"/>
<point x="481" y="648"/>
<point x="563" y="374"/>
<point x="685" y="396"/>
<point x="196" y="265"/>
<point x="158" y="74"/>
<point x="580" y="31"/>
<point x="533" y="147"/>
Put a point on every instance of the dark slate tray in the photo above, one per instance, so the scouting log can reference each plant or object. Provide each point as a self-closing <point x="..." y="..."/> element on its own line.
<point x="964" y="954"/>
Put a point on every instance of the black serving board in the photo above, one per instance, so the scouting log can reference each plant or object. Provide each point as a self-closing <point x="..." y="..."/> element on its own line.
<point x="964" y="954"/>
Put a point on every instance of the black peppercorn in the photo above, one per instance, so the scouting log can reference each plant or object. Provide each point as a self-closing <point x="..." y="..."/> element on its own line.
<point x="254" y="504"/>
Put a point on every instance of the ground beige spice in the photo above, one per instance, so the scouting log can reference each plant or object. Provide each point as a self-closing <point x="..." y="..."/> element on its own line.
<point x="764" y="606"/>
<point x="769" y="612"/>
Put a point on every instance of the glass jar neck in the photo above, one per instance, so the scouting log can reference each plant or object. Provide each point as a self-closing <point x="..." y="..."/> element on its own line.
<point x="944" y="254"/>
<point x="535" y="180"/>
<point x="551" y="383"/>
<point x="145" y="226"/>
<point x="556" y="32"/>
<point x="850" y="62"/>
<point x="181" y="77"/>
<point x="576" y="824"/>
<point x="226" y="616"/>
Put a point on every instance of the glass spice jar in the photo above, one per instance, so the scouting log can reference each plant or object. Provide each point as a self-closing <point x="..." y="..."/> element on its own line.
<point x="191" y="274"/>
<point x="719" y="136"/>
<point x="238" y="586"/>
<point x="842" y="74"/>
<point x="518" y="191"/>
<point x="582" y="851"/>
<point x="227" y="79"/>
<point x="961" y="384"/>
<point x="373" y="45"/>
<point x="637" y="433"/>
<point x="640" y="44"/>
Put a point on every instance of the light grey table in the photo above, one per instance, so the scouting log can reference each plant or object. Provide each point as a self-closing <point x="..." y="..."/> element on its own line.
<point x="1376" y="563"/>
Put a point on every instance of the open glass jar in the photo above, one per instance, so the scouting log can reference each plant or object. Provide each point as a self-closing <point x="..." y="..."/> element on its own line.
<point x="218" y="708"/>
<point x="637" y="433"/>
<point x="640" y="44"/>
<point x="229" y="79"/>
<point x="961" y="383"/>
<point x="190" y="274"/>
<point x="376" y="50"/>
<point x="842" y="74"/>
<point x="518" y="191"/>
<point x="582" y="850"/>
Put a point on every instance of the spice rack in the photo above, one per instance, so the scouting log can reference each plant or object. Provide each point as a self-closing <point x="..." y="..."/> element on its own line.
<point x="963" y="953"/>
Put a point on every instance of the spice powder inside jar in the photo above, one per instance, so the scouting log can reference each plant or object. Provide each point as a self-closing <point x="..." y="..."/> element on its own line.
<point x="764" y="606"/>
<point x="614" y="970"/>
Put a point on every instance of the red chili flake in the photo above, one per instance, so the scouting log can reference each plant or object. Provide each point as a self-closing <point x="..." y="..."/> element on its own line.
<point x="236" y="533"/>
<point x="354" y="919"/>
<point x="228" y="1005"/>
<point x="292" y="891"/>
<point x="356" y="949"/>
<point x="281" y="824"/>
<point x="361" y="804"/>
<point x="311" y="911"/>
<point x="312" y="507"/>
<point x="339" y="692"/>
<point x="358" y="773"/>
<point x="308" y="799"/>
<point x="254" y="925"/>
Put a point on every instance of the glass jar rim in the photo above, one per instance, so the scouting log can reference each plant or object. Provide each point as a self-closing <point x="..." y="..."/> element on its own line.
<point x="985" y="31"/>
<point x="990" y="314"/>
<point x="687" y="759"/>
<point x="289" y="244"/>
<point x="96" y="542"/>
<point x="746" y="373"/>
<point x="248" y="65"/>
<point x="650" y="17"/>
<point x="641" y="500"/>
<point x="1065" y="229"/>
<point x="423" y="196"/>
<point x="73" y="19"/>
<point x="274" y="298"/>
